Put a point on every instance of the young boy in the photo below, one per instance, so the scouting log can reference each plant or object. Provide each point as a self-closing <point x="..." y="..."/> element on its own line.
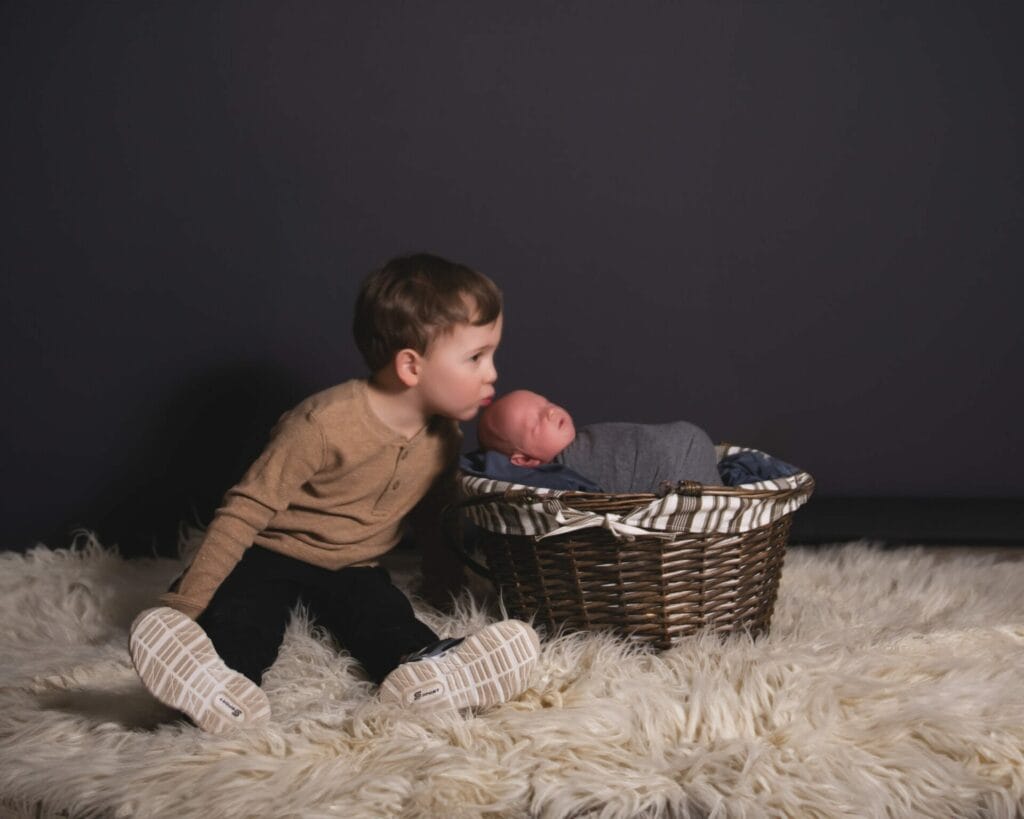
<point x="328" y="497"/>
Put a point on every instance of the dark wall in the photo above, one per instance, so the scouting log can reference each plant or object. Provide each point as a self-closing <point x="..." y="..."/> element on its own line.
<point x="797" y="224"/>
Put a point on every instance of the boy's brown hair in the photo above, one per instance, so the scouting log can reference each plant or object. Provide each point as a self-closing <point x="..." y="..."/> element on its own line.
<point x="412" y="299"/>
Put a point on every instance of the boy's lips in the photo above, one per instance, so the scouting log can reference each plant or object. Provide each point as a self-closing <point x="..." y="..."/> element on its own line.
<point x="487" y="402"/>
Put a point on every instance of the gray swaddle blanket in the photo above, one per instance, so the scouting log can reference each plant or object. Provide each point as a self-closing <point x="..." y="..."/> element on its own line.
<point x="622" y="457"/>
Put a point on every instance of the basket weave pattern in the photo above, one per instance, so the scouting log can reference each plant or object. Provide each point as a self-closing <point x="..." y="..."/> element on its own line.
<point x="650" y="589"/>
<point x="653" y="567"/>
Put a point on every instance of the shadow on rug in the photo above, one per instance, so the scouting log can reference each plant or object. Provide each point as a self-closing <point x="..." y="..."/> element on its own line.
<point x="891" y="685"/>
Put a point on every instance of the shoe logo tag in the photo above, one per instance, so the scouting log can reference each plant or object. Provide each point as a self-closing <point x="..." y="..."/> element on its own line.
<point x="429" y="692"/>
<point x="231" y="708"/>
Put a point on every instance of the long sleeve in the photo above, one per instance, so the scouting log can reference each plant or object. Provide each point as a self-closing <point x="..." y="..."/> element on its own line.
<point x="294" y="454"/>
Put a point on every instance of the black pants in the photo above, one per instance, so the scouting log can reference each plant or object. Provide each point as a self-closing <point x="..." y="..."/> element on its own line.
<point x="372" y="619"/>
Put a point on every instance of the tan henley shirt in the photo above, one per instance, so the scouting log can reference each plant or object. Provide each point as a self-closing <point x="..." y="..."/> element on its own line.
<point x="331" y="488"/>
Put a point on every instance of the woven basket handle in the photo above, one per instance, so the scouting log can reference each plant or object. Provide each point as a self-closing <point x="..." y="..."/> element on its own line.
<point x="508" y="495"/>
<point x="691" y="488"/>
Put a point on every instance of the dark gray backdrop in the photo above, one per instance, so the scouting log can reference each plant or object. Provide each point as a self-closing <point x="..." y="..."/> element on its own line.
<point x="797" y="224"/>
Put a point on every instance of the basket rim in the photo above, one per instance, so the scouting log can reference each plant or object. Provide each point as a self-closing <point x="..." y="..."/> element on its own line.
<point x="517" y="509"/>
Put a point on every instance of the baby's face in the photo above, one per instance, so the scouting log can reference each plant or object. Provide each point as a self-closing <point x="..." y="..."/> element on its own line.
<point x="537" y="429"/>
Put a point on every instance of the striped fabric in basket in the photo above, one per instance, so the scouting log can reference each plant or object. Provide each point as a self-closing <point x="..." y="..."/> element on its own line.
<point x="717" y="509"/>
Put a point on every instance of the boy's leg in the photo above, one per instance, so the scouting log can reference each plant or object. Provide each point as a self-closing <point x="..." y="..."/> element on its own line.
<point x="371" y="618"/>
<point x="248" y="615"/>
<point x="377" y="625"/>
<point x="178" y="665"/>
<point x="194" y="666"/>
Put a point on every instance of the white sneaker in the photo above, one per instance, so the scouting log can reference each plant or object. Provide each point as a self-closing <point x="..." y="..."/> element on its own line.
<point x="180" y="667"/>
<point x="487" y="668"/>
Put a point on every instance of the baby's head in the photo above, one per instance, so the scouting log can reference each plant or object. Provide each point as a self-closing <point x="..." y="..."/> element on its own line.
<point x="526" y="427"/>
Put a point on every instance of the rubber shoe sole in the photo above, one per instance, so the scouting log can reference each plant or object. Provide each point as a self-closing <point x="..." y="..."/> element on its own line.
<point x="180" y="667"/>
<point x="487" y="668"/>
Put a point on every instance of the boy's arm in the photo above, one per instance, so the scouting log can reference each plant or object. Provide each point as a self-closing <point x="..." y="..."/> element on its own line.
<point x="294" y="454"/>
<point x="442" y="572"/>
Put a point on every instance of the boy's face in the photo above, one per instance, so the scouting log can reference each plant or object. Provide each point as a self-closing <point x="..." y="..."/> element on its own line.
<point x="538" y="429"/>
<point x="458" y="371"/>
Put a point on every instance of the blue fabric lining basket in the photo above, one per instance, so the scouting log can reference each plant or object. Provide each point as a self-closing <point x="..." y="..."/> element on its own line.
<point x="654" y="568"/>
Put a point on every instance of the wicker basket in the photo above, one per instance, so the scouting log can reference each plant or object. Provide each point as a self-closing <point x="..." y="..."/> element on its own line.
<point x="655" y="568"/>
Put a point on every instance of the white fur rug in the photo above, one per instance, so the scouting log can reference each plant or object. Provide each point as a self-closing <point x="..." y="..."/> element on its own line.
<point x="892" y="685"/>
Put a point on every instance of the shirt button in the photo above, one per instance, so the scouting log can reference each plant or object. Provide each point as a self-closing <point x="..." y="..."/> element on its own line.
<point x="404" y="455"/>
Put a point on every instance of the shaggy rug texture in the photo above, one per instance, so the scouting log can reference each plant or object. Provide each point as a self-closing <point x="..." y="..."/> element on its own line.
<point x="892" y="684"/>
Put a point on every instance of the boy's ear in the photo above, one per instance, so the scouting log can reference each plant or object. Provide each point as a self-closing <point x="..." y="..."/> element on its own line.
<point x="408" y="366"/>
<point x="519" y="459"/>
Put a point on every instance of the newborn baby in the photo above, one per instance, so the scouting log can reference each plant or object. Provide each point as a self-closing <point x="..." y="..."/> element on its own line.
<point x="619" y="457"/>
